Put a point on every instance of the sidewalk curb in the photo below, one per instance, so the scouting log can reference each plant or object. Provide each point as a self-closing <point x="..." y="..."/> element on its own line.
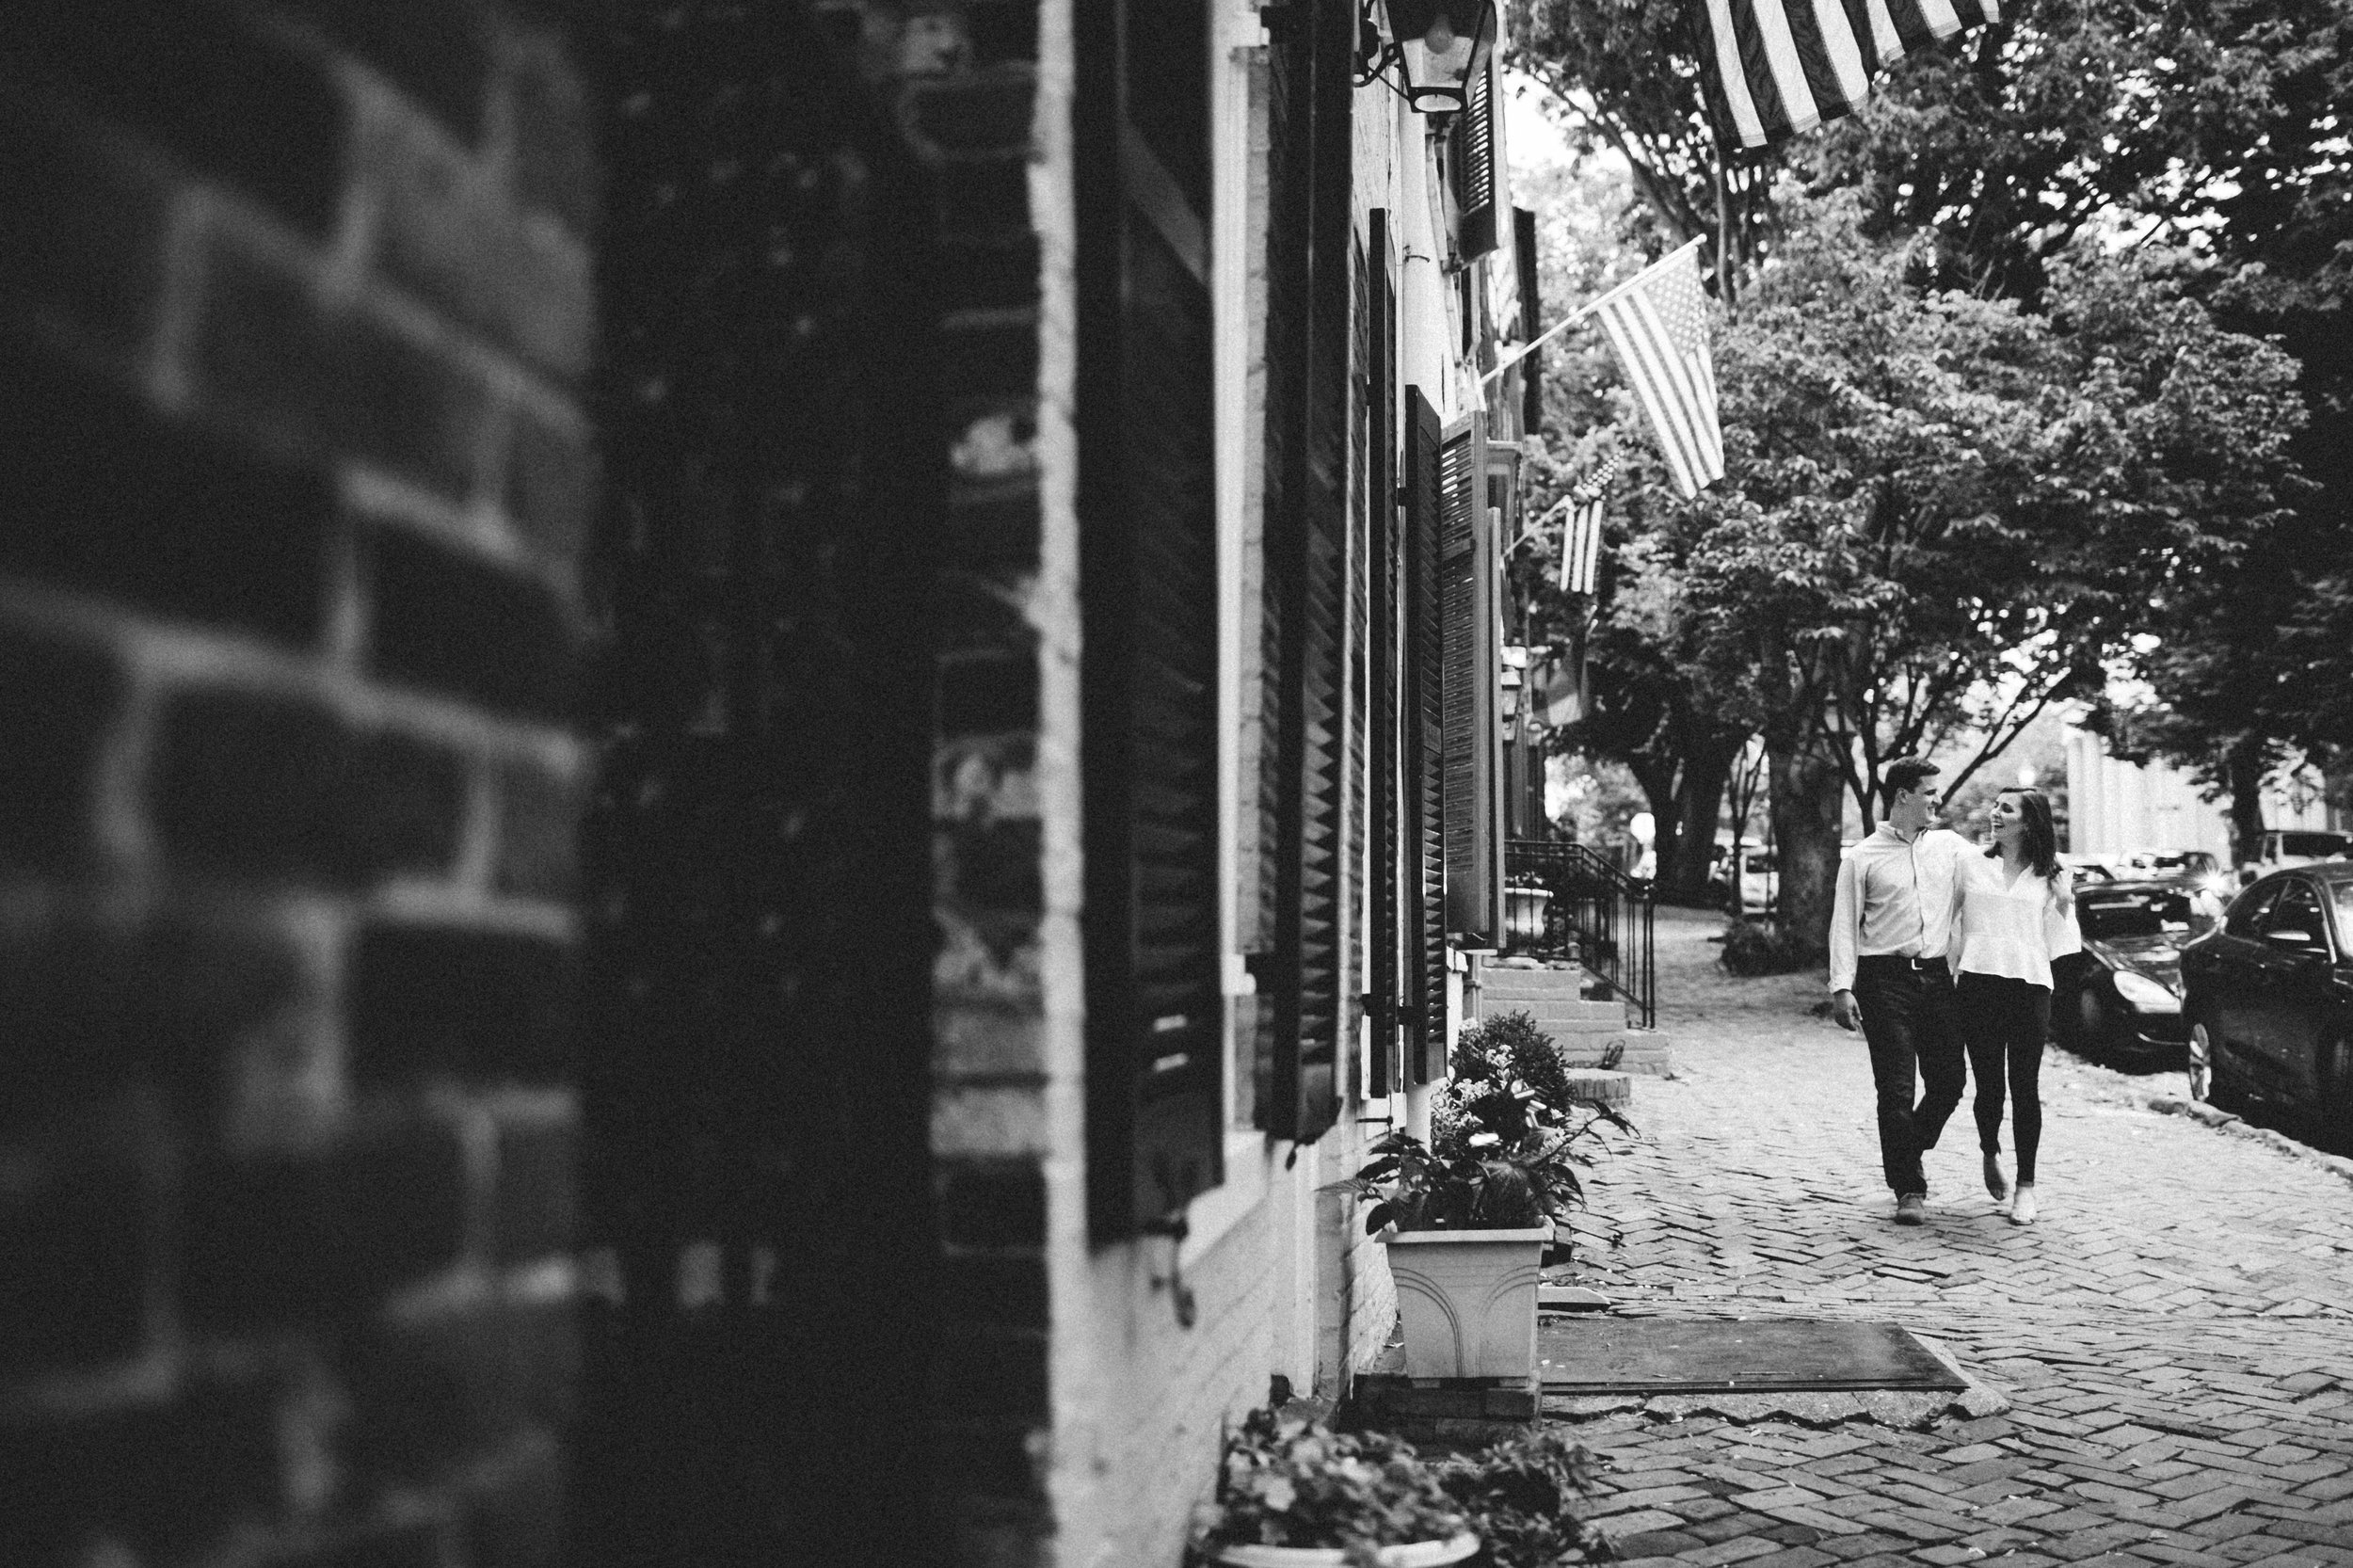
<point x="2223" y="1121"/>
<point x="1979" y="1398"/>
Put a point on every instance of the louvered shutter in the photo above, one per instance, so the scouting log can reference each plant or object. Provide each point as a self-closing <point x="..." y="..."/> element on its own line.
<point x="1477" y="170"/>
<point x="1148" y="586"/>
<point x="1384" y="989"/>
<point x="1531" y="369"/>
<point x="1469" y="643"/>
<point x="1306" y="550"/>
<point x="1423" y="796"/>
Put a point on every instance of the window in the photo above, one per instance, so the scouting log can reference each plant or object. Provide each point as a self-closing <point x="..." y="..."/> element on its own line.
<point x="2313" y="847"/>
<point x="2296" y="910"/>
<point x="2251" y="907"/>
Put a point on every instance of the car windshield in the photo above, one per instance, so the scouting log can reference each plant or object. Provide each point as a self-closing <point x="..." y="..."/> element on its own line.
<point x="2104" y="917"/>
<point x="2344" y="892"/>
<point x="2316" y="845"/>
<point x="1760" y="864"/>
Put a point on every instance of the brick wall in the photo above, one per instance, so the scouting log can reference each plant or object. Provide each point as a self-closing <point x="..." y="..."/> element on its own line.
<point x="961" y="80"/>
<point x="294" y="311"/>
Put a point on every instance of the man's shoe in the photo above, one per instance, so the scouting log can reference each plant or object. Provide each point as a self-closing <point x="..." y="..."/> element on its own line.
<point x="1996" y="1182"/>
<point x="2021" y="1207"/>
<point x="1911" y="1208"/>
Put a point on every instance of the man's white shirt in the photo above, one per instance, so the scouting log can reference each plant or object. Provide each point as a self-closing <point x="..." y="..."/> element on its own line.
<point x="1895" y="897"/>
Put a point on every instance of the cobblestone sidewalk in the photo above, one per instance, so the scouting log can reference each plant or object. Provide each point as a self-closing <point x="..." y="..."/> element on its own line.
<point x="2174" y="1337"/>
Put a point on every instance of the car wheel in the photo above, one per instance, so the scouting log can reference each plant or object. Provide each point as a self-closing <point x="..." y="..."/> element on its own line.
<point x="2091" y="1021"/>
<point x="2200" y="1062"/>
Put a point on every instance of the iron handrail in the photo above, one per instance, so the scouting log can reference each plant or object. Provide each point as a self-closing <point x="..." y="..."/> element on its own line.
<point x="1593" y="913"/>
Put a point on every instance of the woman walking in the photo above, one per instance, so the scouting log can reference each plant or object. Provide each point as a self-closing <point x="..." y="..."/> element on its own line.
<point x="2013" y="913"/>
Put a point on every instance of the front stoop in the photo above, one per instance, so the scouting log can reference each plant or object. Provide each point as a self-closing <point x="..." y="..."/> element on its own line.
<point x="1585" y="1030"/>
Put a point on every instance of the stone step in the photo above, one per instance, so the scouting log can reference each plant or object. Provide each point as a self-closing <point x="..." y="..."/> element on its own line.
<point x="1643" y="1050"/>
<point x="1609" y="1088"/>
<point x="1558" y="1018"/>
<point x="1533" y="982"/>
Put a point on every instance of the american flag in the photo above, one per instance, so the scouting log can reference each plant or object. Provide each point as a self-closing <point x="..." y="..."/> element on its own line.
<point x="1657" y="325"/>
<point x="1580" y="537"/>
<point x="1780" y="69"/>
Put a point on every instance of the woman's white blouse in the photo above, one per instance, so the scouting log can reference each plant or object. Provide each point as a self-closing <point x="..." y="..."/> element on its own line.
<point x="2014" y="930"/>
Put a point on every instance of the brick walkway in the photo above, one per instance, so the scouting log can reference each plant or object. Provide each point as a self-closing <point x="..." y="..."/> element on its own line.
<point x="2175" y="1336"/>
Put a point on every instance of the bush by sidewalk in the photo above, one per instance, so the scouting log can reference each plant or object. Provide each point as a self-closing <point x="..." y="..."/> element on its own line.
<point x="1760" y="947"/>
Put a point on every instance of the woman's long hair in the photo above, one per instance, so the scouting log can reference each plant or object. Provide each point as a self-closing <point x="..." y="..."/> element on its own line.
<point x="2041" y="842"/>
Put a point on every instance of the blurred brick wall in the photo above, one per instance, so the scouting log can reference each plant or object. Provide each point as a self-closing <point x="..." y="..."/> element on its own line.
<point x="963" y="77"/>
<point x="295" y="303"/>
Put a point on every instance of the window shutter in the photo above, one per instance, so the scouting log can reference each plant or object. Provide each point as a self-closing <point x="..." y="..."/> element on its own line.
<point x="1531" y="322"/>
<point x="1306" y="550"/>
<point x="1477" y="170"/>
<point x="1148" y="586"/>
<point x="1422" y="796"/>
<point x="1383" y="991"/>
<point x="1471" y="656"/>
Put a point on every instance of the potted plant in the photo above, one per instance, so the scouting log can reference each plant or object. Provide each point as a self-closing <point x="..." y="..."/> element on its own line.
<point x="1294" y="1493"/>
<point x="1468" y="1217"/>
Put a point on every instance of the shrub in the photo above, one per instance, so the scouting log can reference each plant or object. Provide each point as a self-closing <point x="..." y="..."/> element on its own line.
<point x="1757" y="947"/>
<point x="1288" y="1481"/>
<point x="1521" y="1496"/>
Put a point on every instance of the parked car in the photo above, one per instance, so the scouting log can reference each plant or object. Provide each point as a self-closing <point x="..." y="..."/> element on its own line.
<point x="2298" y="847"/>
<point x="2199" y="869"/>
<point x="2087" y="868"/>
<point x="1760" y="882"/>
<point x="2269" y="1000"/>
<point x="2122" y="997"/>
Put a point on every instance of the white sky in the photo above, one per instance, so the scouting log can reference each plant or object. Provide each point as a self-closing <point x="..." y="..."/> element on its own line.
<point x="1529" y="137"/>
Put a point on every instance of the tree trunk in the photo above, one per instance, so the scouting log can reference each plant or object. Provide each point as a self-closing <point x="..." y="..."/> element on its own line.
<point x="1698" y="802"/>
<point x="2243" y="776"/>
<point x="1809" y="797"/>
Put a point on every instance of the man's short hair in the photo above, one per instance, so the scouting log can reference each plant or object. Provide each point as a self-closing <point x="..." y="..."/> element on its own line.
<point x="1904" y="772"/>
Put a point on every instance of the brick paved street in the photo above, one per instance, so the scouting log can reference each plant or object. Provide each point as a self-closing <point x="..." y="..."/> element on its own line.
<point x="2175" y="1336"/>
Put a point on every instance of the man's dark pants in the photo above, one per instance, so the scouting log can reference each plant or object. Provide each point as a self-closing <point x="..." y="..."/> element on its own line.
<point x="1910" y="1025"/>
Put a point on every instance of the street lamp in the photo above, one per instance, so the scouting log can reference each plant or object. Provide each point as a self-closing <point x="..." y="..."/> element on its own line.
<point x="1439" y="45"/>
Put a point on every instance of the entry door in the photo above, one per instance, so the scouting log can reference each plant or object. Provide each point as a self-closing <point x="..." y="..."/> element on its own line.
<point x="2293" y="987"/>
<point x="2229" y="970"/>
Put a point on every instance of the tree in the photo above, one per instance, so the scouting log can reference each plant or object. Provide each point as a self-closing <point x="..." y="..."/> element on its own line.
<point x="1943" y="512"/>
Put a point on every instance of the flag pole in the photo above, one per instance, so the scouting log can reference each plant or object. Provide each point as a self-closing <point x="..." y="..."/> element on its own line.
<point x="1538" y="526"/>
<point x="1585" y="309"/>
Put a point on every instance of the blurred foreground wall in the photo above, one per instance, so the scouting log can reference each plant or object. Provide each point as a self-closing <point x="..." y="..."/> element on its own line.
<point x="294" y="311"/>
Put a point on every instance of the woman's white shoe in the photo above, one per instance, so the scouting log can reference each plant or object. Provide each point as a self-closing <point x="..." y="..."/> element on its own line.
<point x="2022" y="1206"/>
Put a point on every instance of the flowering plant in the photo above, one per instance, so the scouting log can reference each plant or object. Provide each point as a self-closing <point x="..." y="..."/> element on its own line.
<point x="1507" y="1132"/>
<point x="1286" y="1481"/>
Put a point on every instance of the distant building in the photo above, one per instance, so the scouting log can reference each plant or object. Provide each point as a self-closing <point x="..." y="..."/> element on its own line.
<point x="2115" y="806"/>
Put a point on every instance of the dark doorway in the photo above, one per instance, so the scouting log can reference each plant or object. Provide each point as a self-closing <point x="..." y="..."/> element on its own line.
<point x="758" y="853"/>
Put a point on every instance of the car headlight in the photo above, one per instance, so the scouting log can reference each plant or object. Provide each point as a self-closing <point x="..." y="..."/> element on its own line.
<point x="2145" y="992"/>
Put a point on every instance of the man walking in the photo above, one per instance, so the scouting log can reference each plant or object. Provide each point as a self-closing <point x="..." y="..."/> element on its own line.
<point x="1888" y="934"/>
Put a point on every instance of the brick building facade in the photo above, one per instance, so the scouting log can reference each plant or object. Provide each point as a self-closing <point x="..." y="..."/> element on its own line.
<point x="295" y="317"/>
<point x="728" y="763"/>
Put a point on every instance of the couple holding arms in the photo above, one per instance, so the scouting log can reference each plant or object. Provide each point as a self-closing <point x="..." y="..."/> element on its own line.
<point x="1940" y="950"/>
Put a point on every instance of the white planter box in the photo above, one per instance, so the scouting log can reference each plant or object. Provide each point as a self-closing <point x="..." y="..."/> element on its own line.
<point x="1468" y="1300"/>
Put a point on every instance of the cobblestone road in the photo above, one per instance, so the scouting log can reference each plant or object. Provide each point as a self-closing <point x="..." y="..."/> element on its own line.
<point x="2175" y="1336"/>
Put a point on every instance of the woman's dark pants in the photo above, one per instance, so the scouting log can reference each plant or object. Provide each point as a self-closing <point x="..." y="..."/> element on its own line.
<point x="2004" y="1022"/>
<point x="1908" y="1022"/>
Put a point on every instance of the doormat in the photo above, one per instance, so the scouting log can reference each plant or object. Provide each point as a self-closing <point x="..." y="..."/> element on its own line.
<point x="1662" y="1355"/>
